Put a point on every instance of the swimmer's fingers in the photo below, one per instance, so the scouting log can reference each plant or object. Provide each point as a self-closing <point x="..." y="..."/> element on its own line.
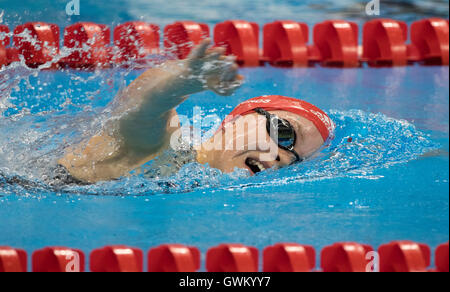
<point x="214" y="54"/>
<point x="231" y="73"/>
<point x="227" y="79"/>
<point x="223" y="65"/>
<point x="229" y="83"/>
<point x="228" y="89"/>
<point x="200" y="51"/>
<point x="230" y="58"/>
<point x="235" y="84"/>
<point x="211" y="65"/>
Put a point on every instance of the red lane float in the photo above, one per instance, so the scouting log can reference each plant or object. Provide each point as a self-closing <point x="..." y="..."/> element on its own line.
<point x="397" y="256"/>
<point x="135" y="40"/>
<point x="7" y="55"/>
<point x="289" y="257"/>
<point x="174" y="258"/>
<point x="404" y="256"/>
<point x="431" y="38"/>
<point x="441" y="258"/>
<point x="58" y="260"/>
<point x="4" y="41"/>
<point x="4" y="38"/>
<point x="37" y="42"/>
<point x="337" y="43"/>
<point x="180" y="37"/>
<point x="285" y="43"/>
<point x="232" y="258"/>
<point x="240" y="38"/>
<point x="90" y="44"/>
<point x="117" y="259"/>
<point x="12" y="260"/>
<point x="384" y="43"/>
<point x="345" y="257"/>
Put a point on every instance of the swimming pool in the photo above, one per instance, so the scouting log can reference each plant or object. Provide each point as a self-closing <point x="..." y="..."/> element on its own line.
<point x="390" y="182"/>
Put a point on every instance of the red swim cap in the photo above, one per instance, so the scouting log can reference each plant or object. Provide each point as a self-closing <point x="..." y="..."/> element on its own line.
<point x="276" y="102"/>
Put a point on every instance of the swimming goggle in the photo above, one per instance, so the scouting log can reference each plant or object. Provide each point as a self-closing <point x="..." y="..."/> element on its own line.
<point x="287" y="137"/>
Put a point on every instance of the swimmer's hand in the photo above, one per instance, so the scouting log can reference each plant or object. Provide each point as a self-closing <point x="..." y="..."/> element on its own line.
<point x="213" y="69"/>
<point x="145" y="117"/>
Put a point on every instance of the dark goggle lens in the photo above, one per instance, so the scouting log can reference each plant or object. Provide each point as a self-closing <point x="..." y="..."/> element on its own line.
<point x="286" y="134"/>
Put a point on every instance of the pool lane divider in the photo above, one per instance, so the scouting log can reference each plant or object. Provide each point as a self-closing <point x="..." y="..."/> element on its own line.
<point x="397" y="256"/>
<point x="334" y="43"/>
<point x="113" y="259"/>
<point x="180" y="37"/>
<point x="57" y="259"/>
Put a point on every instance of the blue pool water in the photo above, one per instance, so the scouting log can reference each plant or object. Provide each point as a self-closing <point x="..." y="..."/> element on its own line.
<point x="390" y="182"/>
<point x="376" y="197"/>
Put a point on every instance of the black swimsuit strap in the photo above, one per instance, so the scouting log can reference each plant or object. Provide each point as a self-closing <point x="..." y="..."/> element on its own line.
<point x="61" y="178"/>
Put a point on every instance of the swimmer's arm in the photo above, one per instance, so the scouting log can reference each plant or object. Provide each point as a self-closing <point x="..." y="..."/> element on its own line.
<point x="151" y="98"/>
<point x="145" y="110"/>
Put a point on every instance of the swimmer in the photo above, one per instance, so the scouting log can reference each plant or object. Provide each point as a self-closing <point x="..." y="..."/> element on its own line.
<point x="146" y="111"/>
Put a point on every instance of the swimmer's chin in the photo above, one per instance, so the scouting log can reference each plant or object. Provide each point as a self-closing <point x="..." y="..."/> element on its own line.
<point x="248" y="172"/>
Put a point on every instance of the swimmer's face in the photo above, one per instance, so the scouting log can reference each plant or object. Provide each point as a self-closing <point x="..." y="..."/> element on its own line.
<point x="246" y="144"/>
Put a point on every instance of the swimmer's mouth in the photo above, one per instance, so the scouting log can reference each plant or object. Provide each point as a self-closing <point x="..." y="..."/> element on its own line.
<point x="254" y="165"/>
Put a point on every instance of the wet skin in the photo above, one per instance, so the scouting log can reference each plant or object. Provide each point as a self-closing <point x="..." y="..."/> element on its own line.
<point x="309" y="141"/>
<point x="144" y="112"/>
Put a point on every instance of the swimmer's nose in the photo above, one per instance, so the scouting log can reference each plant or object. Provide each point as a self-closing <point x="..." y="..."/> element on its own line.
<point x="279" y="161"/>
<point x="285" y="158"/>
